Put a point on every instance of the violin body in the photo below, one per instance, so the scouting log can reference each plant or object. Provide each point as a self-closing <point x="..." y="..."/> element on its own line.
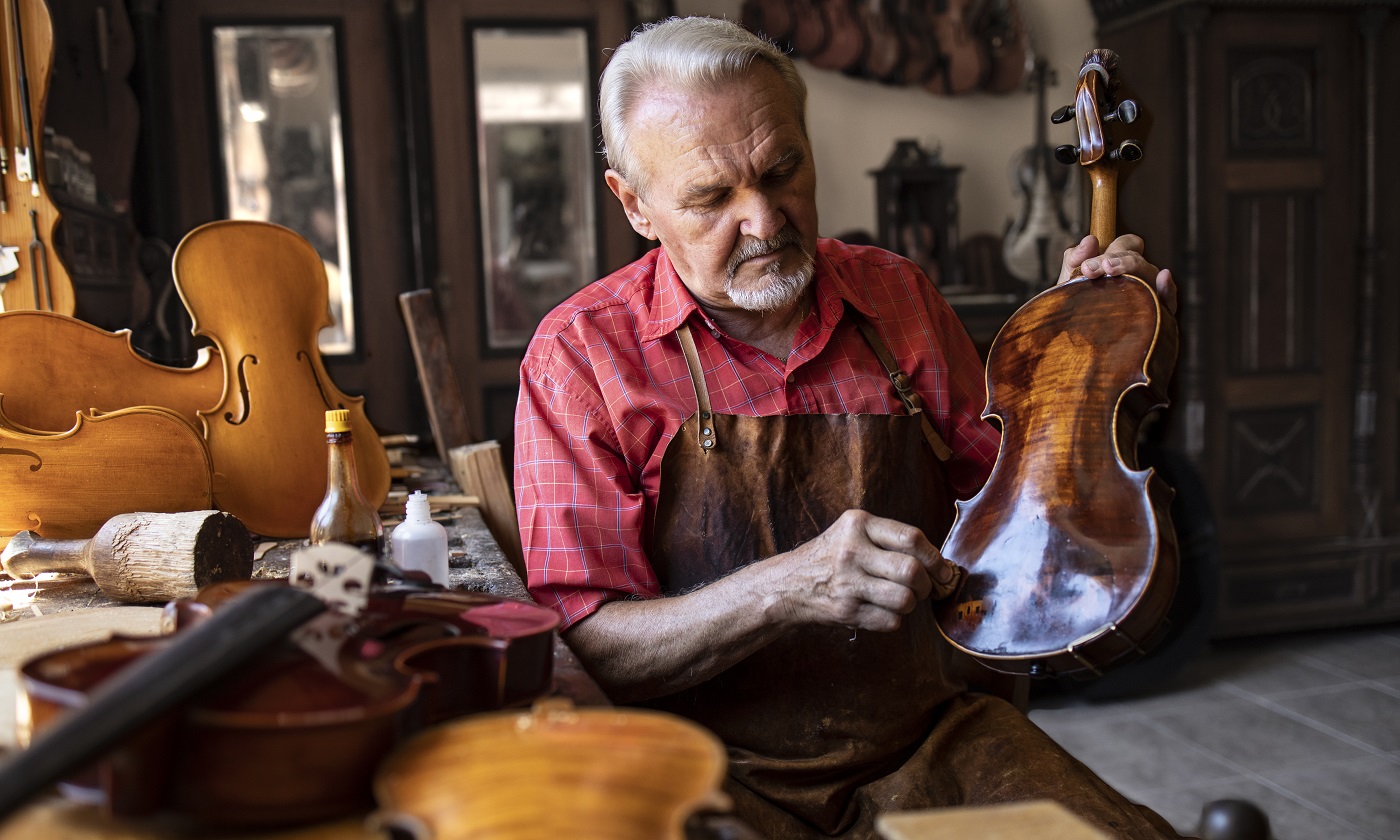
<point x="884" y="54"/>
<point x="845" y="39"/>
<point x="297" y="736"/>
<point x="771" y="19"/>
<point x="809" y="32"/>
<point x="1042" y="231"/>
<point x="54" y="366"/>
<point x="921" y="57"/>
<point x="39" y="279"/>
<point x="1000" y="26"/>
<point x="66" y="485"/>
<point x="1069" y="548"/>
<point x="258" y="292"/>
<point x="965" y="62"/>
<point x="1069" y="553"/>
<point x="646" y="773"/>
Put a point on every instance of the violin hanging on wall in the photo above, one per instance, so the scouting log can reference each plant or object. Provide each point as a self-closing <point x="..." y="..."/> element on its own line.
<point x="1069" y="550"/>
<point x="31" y="274"/>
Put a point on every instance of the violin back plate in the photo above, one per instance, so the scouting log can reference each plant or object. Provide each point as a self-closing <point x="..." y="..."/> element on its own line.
<point x="1069" y="548"/>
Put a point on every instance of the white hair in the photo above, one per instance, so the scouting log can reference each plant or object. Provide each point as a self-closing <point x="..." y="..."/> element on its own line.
<point x="691" y="55"/>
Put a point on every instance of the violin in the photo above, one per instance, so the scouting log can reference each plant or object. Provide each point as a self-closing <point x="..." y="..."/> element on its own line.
<point x="66" y="485"/>
<point x="771" y="19"/>
<point x="1000" y="27"/>
<point x="258" y="292"/>
<point x="53" y="366"/>
<point x="645" y="775"/>
<point x="845" y="39"/>
<point x="921" y="57"/>
<point x="965" y="62"/>
<point x="1069" y="553"/>
<point x="809" y="32"/>
<point x="884" y="54"/>
<point x="1042" y="230"/>
<point x="273" y="703"/>
<point x="31" y="274"/>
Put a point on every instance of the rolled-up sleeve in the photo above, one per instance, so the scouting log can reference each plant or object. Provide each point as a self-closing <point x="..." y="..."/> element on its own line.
<point x="581" y="514"/>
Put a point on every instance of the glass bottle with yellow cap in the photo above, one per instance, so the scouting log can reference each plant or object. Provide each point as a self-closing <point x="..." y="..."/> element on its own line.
<point x="345" y="516"/>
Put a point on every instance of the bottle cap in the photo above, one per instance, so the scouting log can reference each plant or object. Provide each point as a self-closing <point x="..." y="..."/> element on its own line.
<point x="338" y="420"/>
<point x="417" y="507"/>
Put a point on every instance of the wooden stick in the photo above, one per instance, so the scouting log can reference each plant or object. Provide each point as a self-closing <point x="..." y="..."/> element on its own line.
<point x="143" y="557"/>
<point x="478" y="470"/>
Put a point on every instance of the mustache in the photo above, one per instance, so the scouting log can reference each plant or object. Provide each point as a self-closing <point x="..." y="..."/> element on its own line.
<point x="751" y="248"/>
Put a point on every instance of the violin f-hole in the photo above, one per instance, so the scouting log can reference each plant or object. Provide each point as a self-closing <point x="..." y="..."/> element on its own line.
<point x="242" y="389"/>
<point x="38" y="461"/>
<point x="303" y="356"/>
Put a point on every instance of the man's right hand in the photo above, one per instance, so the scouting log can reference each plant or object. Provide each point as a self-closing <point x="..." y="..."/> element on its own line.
<point x="864" y="572"/>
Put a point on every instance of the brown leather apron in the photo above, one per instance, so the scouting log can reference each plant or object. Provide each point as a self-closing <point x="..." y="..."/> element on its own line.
<point x="824" y="726"/>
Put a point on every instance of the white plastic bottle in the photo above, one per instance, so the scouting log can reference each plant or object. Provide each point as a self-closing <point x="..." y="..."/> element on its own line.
<point x="418" y="543"/>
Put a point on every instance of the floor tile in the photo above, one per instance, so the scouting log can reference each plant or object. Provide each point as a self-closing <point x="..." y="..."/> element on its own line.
<point x="1364" y="792"/>
<point x="1368" y="655"/>
<point x="1275" y="672"/>
<point x="1362" y="712"/>
<point x="1256" y="738"/>
<point x="1136" y="754"/>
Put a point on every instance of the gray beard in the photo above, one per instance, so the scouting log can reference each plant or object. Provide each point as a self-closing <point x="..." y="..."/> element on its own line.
<point x="781" y="291"/>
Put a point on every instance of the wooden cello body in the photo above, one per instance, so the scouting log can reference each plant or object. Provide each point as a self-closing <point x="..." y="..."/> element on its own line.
<point x="53" y="366"/>
<point x="1069" y="551"/>
<point x="32" y="274"/>
<point x="258" y="292"/>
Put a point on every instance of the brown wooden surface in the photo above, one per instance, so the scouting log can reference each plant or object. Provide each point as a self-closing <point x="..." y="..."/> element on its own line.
<point x="67" y="485"/>
<point x="1016" y="821"/>
<point x="442" y="393"/>
<point x="53" y="366"/>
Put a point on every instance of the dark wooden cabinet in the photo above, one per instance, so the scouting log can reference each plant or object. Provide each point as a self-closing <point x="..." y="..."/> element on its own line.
<point x="1263" y="189"/>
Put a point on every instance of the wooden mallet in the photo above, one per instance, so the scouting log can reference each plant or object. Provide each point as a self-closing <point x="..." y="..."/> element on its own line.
<point x="143" y="557"/>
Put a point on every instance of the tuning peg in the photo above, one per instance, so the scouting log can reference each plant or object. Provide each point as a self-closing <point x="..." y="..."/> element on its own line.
<point x="1126" y="112"/>
<point x="1127" y="151"/>
<point x="1067" y="154"/>
<point x="1062" y="115"/>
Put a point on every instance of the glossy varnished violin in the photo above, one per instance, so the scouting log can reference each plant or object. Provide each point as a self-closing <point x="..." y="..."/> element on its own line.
<point x="1069" y="551"/>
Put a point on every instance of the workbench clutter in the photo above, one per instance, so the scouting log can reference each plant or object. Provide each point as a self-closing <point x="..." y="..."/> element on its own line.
<point x="949" y="48"/>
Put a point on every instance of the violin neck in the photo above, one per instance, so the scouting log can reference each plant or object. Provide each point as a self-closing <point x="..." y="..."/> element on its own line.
<point x="1103" y="207"/>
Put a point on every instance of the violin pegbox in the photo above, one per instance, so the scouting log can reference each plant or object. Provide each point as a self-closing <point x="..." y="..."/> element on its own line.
<point x="1095" y="103"/>
<point x="337" y="574"/>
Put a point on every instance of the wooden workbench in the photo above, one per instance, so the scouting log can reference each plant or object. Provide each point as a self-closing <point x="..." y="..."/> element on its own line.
<point x="84" y="614"/>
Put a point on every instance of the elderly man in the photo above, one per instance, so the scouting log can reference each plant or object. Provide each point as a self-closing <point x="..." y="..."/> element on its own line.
<point x="726" y="497"/>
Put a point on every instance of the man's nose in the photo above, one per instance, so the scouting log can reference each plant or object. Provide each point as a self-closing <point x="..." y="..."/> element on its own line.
<point x="763" y="217"/>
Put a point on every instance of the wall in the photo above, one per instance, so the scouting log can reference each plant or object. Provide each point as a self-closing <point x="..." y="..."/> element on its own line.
<point x="854" y="123"/>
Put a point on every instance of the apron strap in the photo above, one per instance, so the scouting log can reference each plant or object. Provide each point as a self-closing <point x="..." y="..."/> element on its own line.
<point x="705" y="434"/>
<point x="913" y="403"/>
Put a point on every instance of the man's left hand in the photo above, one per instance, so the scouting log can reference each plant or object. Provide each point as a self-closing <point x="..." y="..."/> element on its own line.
<point x="1123" y="256"/>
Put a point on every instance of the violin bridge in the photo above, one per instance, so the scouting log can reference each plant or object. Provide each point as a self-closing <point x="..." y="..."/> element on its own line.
<point x="337" y="574"/>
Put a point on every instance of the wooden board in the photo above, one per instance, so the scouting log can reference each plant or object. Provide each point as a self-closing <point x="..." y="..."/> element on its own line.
<point x="1042" y="820"/>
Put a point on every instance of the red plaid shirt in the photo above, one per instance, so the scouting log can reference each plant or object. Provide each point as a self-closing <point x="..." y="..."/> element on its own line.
<point x="604" y="388"/>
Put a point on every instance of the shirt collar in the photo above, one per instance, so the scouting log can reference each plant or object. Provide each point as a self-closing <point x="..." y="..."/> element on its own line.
<point x="672" y="303"/>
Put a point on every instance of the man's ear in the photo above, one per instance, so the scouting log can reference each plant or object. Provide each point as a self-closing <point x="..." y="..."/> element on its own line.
<point x="631" y="203"/>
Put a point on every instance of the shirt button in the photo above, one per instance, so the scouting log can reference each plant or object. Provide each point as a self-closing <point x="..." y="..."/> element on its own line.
<point x="791" y="378"/>
<point x="714" y="333"/>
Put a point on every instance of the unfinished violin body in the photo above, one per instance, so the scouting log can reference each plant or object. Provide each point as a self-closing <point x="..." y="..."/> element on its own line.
<point x="66" y="485"/>
<point x="1069" y="548"/>
<point x="53" y="366"/>
<point x="258" y="291"/>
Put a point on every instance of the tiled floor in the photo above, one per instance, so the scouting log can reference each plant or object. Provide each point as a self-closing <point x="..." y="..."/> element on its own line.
<point x="1306" y="726"/>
